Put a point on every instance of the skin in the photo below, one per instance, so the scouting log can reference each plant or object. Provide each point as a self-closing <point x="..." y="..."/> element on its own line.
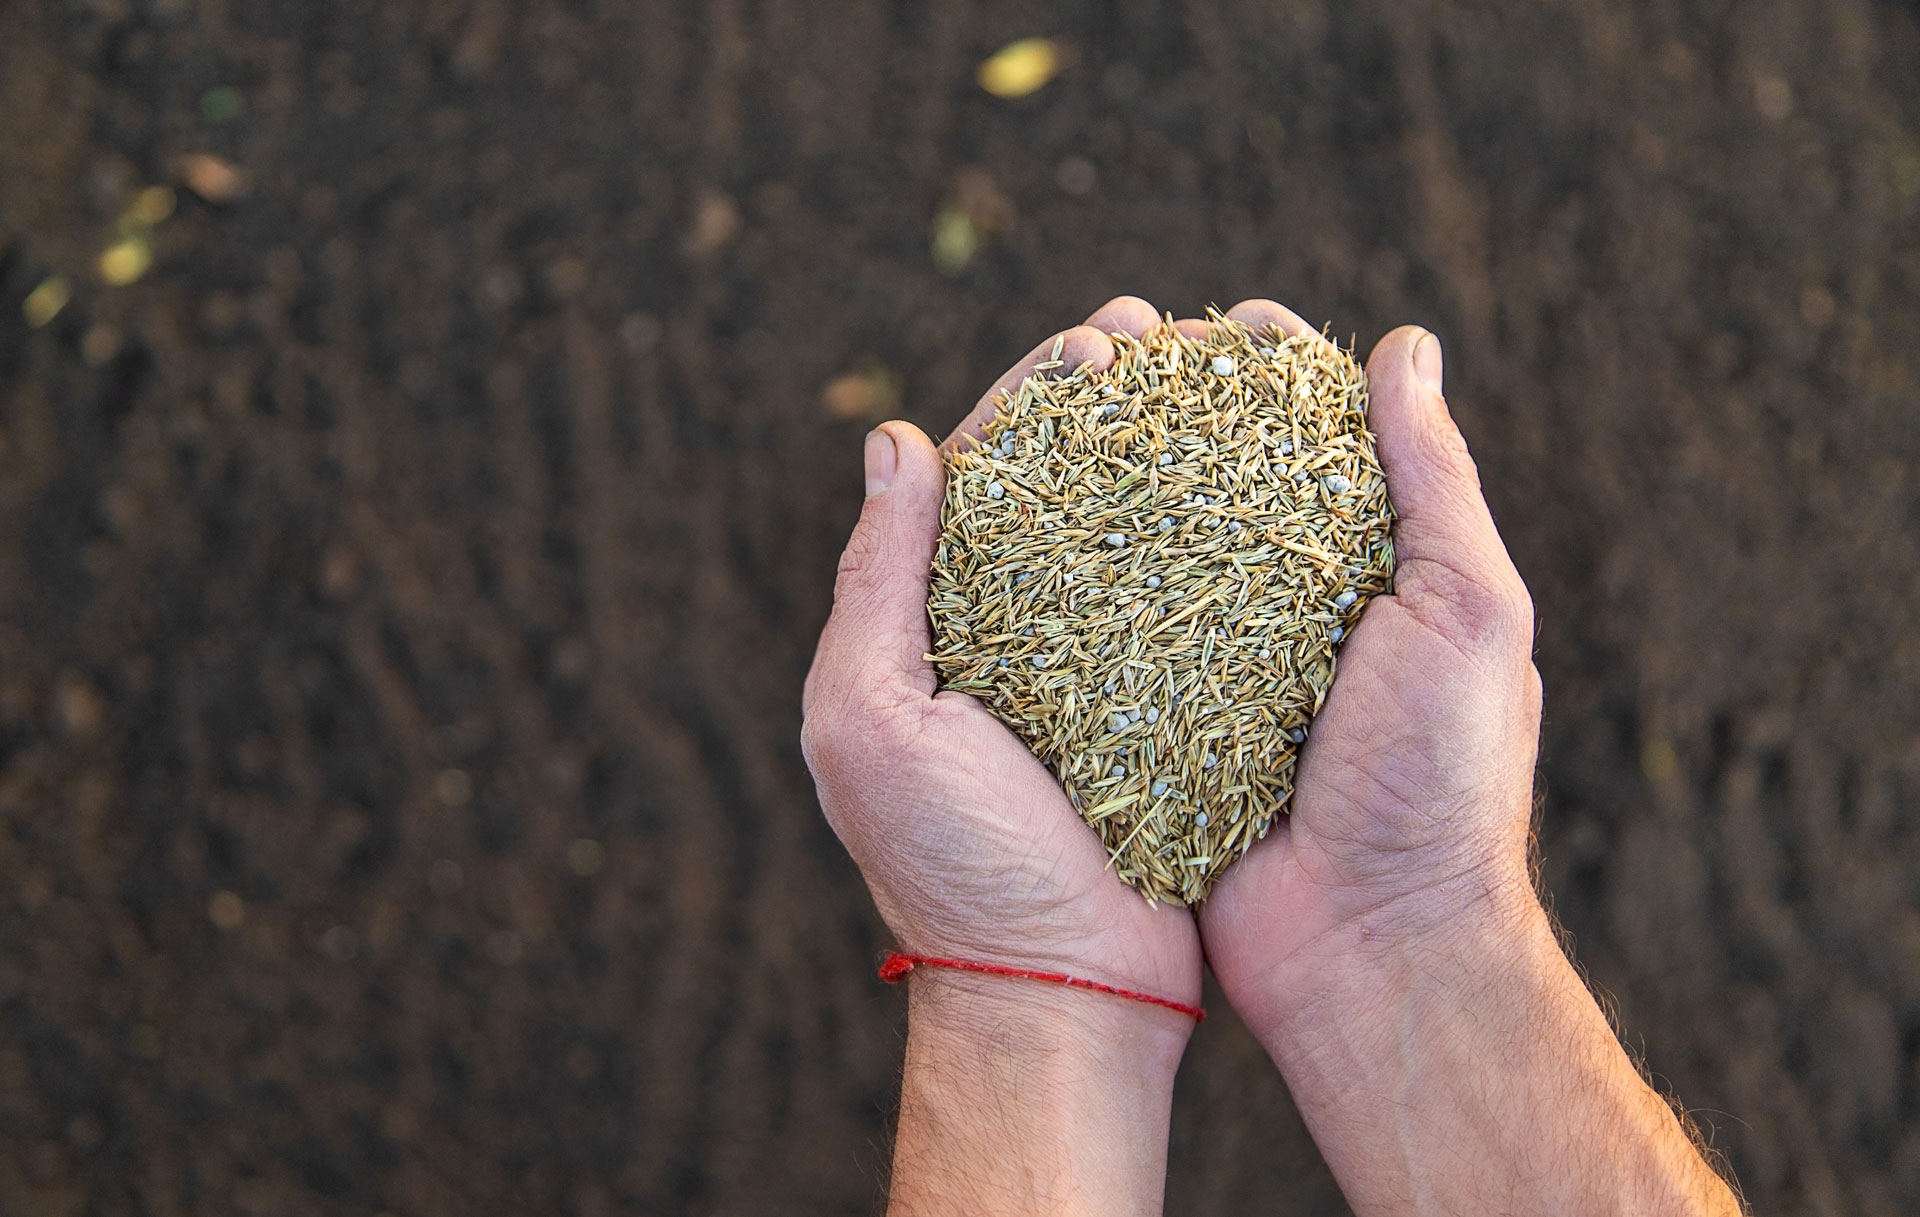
<point x="1384" y="943"/>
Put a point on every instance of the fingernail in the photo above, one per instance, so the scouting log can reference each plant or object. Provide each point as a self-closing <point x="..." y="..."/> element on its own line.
<point x="1427" y="362"/>
<point x="881" y="460"/>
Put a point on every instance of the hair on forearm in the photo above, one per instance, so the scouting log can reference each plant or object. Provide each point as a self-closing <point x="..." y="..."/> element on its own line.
<point x="1701" y="1139"/>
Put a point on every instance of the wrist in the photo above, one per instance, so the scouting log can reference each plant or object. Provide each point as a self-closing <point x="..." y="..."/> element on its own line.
<point x="1452" y="1063"/>
<point x="1033" y="1097"/>
<point x="1371" y="962"/>
<point x="1045" y="1025"/>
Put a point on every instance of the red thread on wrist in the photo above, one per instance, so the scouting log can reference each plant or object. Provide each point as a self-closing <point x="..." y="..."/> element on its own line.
<point x="897" y="964"/>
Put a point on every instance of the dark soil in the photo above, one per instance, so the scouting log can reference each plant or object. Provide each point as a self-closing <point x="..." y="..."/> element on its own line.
<point x="465" y="491"/>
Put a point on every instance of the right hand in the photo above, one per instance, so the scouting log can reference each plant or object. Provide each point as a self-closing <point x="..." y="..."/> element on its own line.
<point x="1413" y="799"/>
<point x="1385" y="943"/>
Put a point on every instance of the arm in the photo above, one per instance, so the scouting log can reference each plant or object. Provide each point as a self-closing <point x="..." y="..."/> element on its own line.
<point x="1387" y="947"/>
<point x="1024" y="1098"/>
<point x="1471" y="1071"/>
<point x="1018" y="1097"/>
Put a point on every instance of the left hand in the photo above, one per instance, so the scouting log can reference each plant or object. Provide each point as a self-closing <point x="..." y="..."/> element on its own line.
<point x="968" y="843"/>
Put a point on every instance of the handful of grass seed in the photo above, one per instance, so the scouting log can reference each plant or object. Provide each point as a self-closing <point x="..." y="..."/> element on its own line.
<point x="1146" y="572"/>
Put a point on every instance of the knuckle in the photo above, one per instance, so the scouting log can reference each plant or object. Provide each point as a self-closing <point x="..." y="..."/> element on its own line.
<point x="848" y="734"/>
<point x="816" y="739"/>
<point x="829" y="746"/>
<point x="1487" y="610"/>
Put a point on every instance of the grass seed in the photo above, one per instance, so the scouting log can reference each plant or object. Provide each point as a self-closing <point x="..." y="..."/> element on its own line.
<point x="1147" y="572"/>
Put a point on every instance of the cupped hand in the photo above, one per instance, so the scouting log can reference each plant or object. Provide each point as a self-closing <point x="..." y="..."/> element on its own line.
<point x="968" y="843"/>
<point x="1413" y="797"/>
<point x="1384" y="943"/>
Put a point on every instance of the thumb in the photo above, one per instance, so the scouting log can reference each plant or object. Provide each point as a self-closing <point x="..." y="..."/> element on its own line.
<point x="874" y="647"/>
<point x="1452" y="569"/>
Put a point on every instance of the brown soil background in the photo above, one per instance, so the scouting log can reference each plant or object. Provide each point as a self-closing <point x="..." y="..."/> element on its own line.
<point x="466" y="489"/>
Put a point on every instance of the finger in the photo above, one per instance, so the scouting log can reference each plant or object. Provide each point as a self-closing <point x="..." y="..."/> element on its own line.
<point x="1445" y="543"/>
<point x="1082" y="344"/>
<point x="1192" y="327"/>
<point x="1261" y="316"/>
<point x="1129" y="315"/>
<point x="873" y="650"/>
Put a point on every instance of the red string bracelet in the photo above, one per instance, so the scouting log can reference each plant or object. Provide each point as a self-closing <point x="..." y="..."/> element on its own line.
<point x="897" y="964"/>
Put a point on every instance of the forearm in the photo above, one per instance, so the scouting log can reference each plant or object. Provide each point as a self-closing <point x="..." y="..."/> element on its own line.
<point x="1023" y="1098"/>
<point x="1475" y="1073"/>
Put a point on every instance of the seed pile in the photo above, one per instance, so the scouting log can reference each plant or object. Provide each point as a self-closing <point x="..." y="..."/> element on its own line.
<point x="1146" y="572"/>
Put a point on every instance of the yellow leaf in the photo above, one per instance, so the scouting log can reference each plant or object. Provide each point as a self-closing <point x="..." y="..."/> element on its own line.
<point x="44" y="303"/>
<point x="955" y="240"/>
<point x="1659" y="761"/>
<point x="151" y="205"/>
<point x="1020" y="68"/>
<point x="212" y="178"/>
<point x="125" y="261"/>
<point x="869" y="392"/>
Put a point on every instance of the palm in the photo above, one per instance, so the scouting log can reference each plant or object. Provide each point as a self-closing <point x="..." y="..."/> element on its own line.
<point x="968" y="843"/>
<point x="1411" y="782"/>
<point x="1396" y="767"/>
<point x="972" y="850"/>
<point x="1002" y="867"/>
<point x="1027" y="855"/>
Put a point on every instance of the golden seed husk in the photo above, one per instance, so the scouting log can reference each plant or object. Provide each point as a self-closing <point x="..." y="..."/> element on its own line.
<point x="1251" y="495"/>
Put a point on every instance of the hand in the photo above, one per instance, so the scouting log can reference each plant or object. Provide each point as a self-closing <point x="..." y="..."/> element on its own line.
<point x="967" y="842"/>
<point x="1413" y="796"/>
<point x="1017" y="1096"/>
<point x="1384" y="942"/>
